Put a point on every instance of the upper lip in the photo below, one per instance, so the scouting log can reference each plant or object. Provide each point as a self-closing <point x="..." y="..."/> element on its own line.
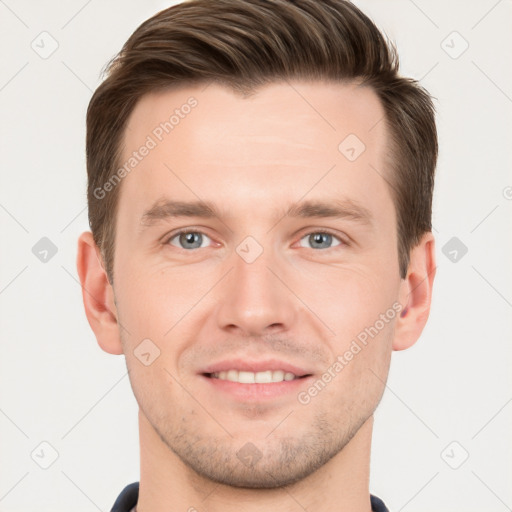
<point x="255" y="366"/>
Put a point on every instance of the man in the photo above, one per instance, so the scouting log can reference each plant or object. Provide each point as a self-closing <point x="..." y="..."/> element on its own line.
<point x="260" y="190"/>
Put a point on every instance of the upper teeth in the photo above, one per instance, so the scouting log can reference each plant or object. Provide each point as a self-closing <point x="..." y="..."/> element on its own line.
<point x="254" y="377"/>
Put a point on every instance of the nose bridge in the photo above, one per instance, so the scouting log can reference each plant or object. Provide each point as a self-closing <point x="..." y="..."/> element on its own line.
<point x="254" y="300"/>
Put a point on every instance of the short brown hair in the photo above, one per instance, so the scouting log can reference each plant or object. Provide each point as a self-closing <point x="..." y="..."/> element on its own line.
<point x="245" y="44"/>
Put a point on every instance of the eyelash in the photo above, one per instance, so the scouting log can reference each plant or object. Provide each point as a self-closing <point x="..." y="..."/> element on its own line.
<point x="325" y="231"/>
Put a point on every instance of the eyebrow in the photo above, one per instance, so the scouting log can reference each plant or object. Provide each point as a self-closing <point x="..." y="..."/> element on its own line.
<point x="341" y="209"/>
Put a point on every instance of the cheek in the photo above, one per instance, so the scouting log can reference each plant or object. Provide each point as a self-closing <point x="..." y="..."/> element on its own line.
<point x="157" y="309"/>
<point x="348" y="299"/>
<point x="360" y="362"/>
<point x="357" y="305"/>
<point x="153" y="302"/>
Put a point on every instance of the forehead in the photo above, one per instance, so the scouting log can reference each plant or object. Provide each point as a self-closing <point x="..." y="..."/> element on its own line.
<point x="284" y="141"/>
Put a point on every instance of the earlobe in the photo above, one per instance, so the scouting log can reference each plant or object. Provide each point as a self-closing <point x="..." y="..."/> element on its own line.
<point x="97" y="295"/>
<point x="416" y="293"/>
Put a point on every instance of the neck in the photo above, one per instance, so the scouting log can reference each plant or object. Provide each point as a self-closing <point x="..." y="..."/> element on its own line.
<point x="167" y="484"/>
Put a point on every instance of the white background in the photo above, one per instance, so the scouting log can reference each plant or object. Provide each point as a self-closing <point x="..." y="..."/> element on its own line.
<point x="56" y="385"/>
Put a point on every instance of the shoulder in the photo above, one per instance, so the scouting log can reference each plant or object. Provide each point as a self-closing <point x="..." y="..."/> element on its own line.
<point x="127" y="499"/>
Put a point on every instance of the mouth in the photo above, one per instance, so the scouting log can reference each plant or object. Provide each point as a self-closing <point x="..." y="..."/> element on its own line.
<point x="262" y="377"/>
<point x="254" y="381"/>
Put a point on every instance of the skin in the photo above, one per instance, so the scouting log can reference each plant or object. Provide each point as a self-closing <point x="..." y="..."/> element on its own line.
<point x="298" y="302"/>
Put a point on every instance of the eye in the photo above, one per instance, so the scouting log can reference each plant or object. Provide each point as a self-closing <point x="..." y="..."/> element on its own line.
<point x="189" y="240"/>
<point x="321" y="240"/>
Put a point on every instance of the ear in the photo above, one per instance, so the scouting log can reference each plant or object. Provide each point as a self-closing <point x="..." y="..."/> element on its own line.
<point x="98" y="295"/>
<point x="416" y="293"/>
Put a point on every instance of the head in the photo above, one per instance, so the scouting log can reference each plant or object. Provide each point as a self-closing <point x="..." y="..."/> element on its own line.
<point x="280" y="137"/>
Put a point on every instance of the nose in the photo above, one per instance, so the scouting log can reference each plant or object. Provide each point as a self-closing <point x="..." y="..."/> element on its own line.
<point x="256" y="298"/>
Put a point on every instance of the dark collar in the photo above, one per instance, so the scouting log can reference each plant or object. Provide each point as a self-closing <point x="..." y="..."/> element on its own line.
<point x="130" y="494"/>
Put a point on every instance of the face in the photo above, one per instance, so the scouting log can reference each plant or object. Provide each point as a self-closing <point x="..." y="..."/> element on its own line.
<point x="256" y="255"/>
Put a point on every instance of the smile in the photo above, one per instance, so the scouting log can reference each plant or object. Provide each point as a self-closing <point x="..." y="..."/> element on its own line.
<point x="245" y="377"/>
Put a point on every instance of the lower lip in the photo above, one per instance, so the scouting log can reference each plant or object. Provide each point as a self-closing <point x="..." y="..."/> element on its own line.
<point x="252" y="392"/>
